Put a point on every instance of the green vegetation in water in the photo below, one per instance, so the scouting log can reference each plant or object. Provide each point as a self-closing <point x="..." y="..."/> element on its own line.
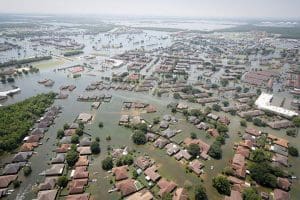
<point x="17" y="119"/>
<point x="24" y="61"/>
<point x="76" y="75"/>
<point x="72" y="53"/>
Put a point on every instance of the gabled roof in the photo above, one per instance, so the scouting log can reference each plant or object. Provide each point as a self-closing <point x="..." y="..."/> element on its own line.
<point x="6" y="180"/>
<point x="47" y="195"/>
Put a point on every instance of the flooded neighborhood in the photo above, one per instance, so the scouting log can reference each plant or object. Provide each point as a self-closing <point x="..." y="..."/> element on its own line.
<point x="148" y="108"/>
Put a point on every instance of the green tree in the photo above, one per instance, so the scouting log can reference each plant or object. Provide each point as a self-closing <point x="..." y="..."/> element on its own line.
<point x="222" y="185"/>
<point x="216" y="107"/>
<point x="66" y="126"/>
<point x="293" y="151"/>
<point x="156" y="120"/>
<point x="27" y="170"/>
<point x="60" y="133"/>
<point x="193" y="135"/>
<point x="139" y="138"/>
<point x="100" y="124"/>
<point x="250" y="194"/>
<point x="79" y="131"/>
<point x="95" y="147"/>
<point x="176" y="95"/>
<point x="243" y="123"/>
<point x="258" y="155"/>
<point x="215" y="150"/>
<point x="200" y="193"/>
<point x="194" y="150"/>
<point x="72" y="157"/>
<point x="107" y="163"/>
<point x="75" y="139"/>
<point x="62" y="181"/>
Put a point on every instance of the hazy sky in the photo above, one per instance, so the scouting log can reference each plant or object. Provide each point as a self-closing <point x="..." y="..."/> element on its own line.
<point x="189" y="8"/>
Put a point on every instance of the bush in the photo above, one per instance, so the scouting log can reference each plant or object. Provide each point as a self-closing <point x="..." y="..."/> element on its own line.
<point x="79" y="131"/>
<point x="62" y="181"/>
<point x="222" y="185"/>
<point x="216" y="107"/>
<point x="176" y="95"/>
<point x="156" y="120"/>
<point x="258" y="122"/>
<point x="125" y="160"/>
<point x="108" y="138"/>
<point x="95" y="147"/>
<point x="66" y="126"/>
<point x="293" y="151"/>
<point x="16" y="183"/>
<point x="97" y="139"/>
<point x="263" y="174"/>
<point x="194" y="150"/>
<point x="100" y="124"/>
<point x="27" y="170"/>
<point x="292" y="132"/>
<point x="107" y="164"/>
<point x="225" y="103"/>
<point x="250" y="194"/>
<point x="215" y="150"/>
<point x="139" y="138"/>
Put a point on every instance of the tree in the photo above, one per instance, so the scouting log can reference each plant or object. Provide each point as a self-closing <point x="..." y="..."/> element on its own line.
<point x="262" y="174"/>
<point x="100" y="124"/>
<point x="176" y="95"/>
<point x="75" y="139"/>
<point x="258" y="155"/>
<point x="16" y="183"/>
<point x="296" y="121"/>
<point x="66" y="126"/>
<point x="215" y="150"/>
<point x="224" y="82"/>
<point x="291" y="133"/>
<point x="293" y="151"/>
<point x="27" y="170"/>
<point x="142" y="127"/>
<point x="200" y="193"/>
<point x="225" y="103"/>
<point x="216" y="107"/>
<point x="139" y="138"/>
<point x="243" y="123"/>
<point x="238" y="89"/>
<point x="156" y="120"/>
<point x="95" y="147"/>
<point x="222" y="128"/>
<point x="222" y="185"/>
<point x="107" y="163"/>
<point x="79" y="131"/>
<point x="193" y="135"/>
<point x="97" y="139"/>
<point x="62" y="181"/>
<point x="60" y="134"/>
<point x="194" y="150"/>
<point x="220" y="139"/>
<point x="135" y="174"/>
<point x="72" y="157"/>
<point x="250" y="194"/>
<point x="258" y="122"/>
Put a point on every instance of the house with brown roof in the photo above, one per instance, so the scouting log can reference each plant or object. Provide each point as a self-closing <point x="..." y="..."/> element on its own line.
<point x="183" y="154"/>
<point x="204" y="148"/>
<point x="180" y="194"/>
<point x="6" y="180"/>
<point x="63" y="148"/>
<point x="151" y="173"/>
<point x="238" y="165"/>
<point x="172" y="148"/>
<point x="120" y="173"/>
<point x="84" y="150"/>
<point x="283" y="183"/>
<point x="253" y="131"/>
<point x="234" y="195"/>
<point x="82" y="161"/>
<point x="143" y="162"/>
<point x="55" y="170"/>
<point x="144" y="194"/>
<point x="84" y="196"/>
<point x="165" y="186"/>
<point x="281" y="195"/>
<point x="76" y="186"/>
<point x="281" y="159"/>
<point x="128" y="186"/>
<point x="243" y="151"/>
<point x="224" y="120"/>
<point x="80" y="172"/>
<point x="48" y="184"/>
<point x="213" y="132"/>
<point x="161" y="142"/>
<point x="47" y="195"/>
<point x="196" y="167"/>
<point x="28" y="146"/>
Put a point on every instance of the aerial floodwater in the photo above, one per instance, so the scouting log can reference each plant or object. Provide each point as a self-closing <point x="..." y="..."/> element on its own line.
<point x="137" y="107"/>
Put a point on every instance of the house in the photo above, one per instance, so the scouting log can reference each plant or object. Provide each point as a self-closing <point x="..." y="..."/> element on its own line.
<point x="48" y="184"/>
<point x="151" y="137"/>
<point x="55" y="170"/>
<point x="165" y="186"/>
<point x="283" y="183"/>
<point x="124" y="120"/>
<point x="143" y="194"/>
<point x="172" y="149"/>
<point x="238" y="165"/>
<point x="182" y="106"/>
<point x="281" y="195"/>
<point x="161" y="142"/>
<point x="28" y="146"/>
<point x="128" y="186"/>
<point x="224" y="120"/>
<point x="86" y="141"/>
<point x="65" y="140"/>
<point x="12" y="168"/>
<point x="168" y="133"/>
<point x="278" y="158"/>
<point x="82" y="161"/>
<point x="63" y="148"/>
<point x="253" y="131"/>
<point x="69" y="132"/>
<point x="32" y="138"/>
<point x="251" y="113"/>
<point x="213" y="116"/>
<point x="84" y="150"/>
<point x="151" y="174"/>
<point x="76" y="186"/>
<point x="280" y="124"/>
<point x="279" y="150"/>
<point x="234" y="195"/>
<point x="243" y="151"/>
<point x="143" y="162"/>
<point x="202" y="126"/>
<point x="22" y="157"/>
<point x="6" y="180"/>
<point x="80" y="172"/>
<point x="120" y="173"/>
<point x="164" y="124"/>
<point x="84" y="117"/>
<point x="196" y="167"/>
<point x="60" y="158"/>
<point x="84" y="196"/>
<point x="180" y="194"/>
<point x="213" y="132"/>
<point x="204" y="148"/>
<point x="47" y="195"/>
<point x="183" y="154"/>
<point x="150" y="109"/>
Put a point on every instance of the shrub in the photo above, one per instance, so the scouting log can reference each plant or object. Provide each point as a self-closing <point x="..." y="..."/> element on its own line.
<point x="27" y="170"/>
<point x="139" y="138"/>
<point x="222" y="185"/>
<point x="293" y="151"/>
<point x="194" y="150"/>
<point x="107" y="163"/>
<point x="62" y="181"/>
<point x="95" y="147"/>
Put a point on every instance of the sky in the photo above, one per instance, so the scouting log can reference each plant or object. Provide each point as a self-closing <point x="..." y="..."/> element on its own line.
<point x="284" y="9"/>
